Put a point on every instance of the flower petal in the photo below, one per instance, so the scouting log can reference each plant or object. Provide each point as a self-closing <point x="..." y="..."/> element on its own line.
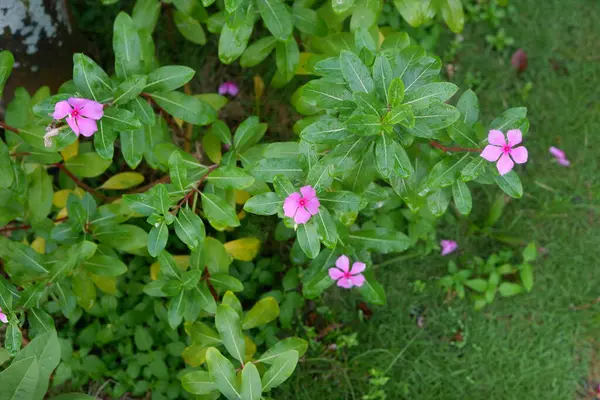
<point x="345" y="283"/>
<point x="357" y="268"/>
<point x="496" y="137"/>
<point x="505" y="164"/>
<point x="563" y="161"/>
<point x="519" y="155"/>
<point x="73" y="124"/>
<point x="491" y="153"/>
<point x="92" y="109"/>
<point x="514" y="137"/>
<point x="290" y="205"/>
<point x="448" y="246"/>
<point x="302" y="215"/>
<point x="357" y="280"/>
<point x="3" y="318"/>
<point x="233" y="89"/>
<point x="556" y="152"/>
<point x="335" y="273"/>
<point x="87" y="126"/>
<point x="313" y="206"/>
<point x="343" y="263"/>
<point x="77" y="102"/>
<point x="308" y="192"/>
<point x="61" y="110"/>
<point x="224" y="88"/>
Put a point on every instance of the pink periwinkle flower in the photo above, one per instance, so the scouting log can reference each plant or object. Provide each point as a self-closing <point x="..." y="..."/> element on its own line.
<point x="346" y="277"/>
<point x="504" y="151"/>
<point x="3" y="316"/>
<point x="448" y="246"/>
<point x="560" y="156"/>
<point x="229" y="88"/>
<point x="81" y="114"/>
<point x="302" y="205"/>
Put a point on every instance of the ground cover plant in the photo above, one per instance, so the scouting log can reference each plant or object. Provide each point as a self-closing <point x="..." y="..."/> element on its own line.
<point x="144" y="244"/>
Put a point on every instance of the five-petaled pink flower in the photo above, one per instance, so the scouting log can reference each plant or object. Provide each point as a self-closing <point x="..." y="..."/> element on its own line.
<point x="346" y="277"/>
<point x="3" y="316"/>
<point x="301" y="206"/>
<point x="560" y="156"/>
<point x="229" y="88"/>
<point x="502" y="150"/>
<point x="81" y="114"/>
<point x="448" y="246"/>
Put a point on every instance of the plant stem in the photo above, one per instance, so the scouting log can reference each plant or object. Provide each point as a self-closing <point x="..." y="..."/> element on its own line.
<point x="453" y="149"/>
<point x="25" y="227"/>
<point x="78" y="181"/>
<point x="8" y="127"/>
<point x="194" y="189"/>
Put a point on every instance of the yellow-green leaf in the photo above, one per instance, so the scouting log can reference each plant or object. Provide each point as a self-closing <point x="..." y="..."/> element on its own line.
<point x="124" y="180"/>
<point x="244" y="249"/>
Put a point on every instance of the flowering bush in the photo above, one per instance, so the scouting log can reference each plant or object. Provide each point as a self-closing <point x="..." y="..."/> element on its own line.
<point x="113" y="226"/>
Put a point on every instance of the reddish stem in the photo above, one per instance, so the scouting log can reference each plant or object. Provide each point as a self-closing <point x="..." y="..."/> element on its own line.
<point x="212" y="289"/>
<point x="189" y="194"/>
<point x="20" y="154"/>
<point x="25" y="227"/>
<point x="453" y="149"/>
<point x="78" y="181"/>
<point x="8" y="127"/>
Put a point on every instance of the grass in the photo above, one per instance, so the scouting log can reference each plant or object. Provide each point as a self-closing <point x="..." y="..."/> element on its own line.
<point x="534" y="346"/>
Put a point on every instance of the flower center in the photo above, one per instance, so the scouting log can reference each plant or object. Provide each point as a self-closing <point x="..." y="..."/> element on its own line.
<point x="302" y="203"/>
<point x="506" y="148"/>
<point x="74" y="113"/>
<point x="347" y="275"/>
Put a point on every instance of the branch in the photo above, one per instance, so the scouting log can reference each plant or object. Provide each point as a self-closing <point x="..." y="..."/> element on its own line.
<point x="25" y="227"/>
<point x="78" y="181"/>
<point x="453" y="149"/>
<point x="194" y="189"/>
<point x="8" y="127"/>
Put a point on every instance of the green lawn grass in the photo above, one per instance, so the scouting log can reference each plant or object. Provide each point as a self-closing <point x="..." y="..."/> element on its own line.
<point x="533" y="346"/>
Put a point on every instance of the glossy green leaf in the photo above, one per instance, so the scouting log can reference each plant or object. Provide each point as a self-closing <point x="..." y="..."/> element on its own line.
<point x="248" y="133"/>
<point x="233" y="40"/>
<point x="46" y="349"/>
<point x="276" y="17"/>
<point x="308" y="21"/>
<point x="189" y="27"/>
<point x="230" y="177"/>
<point x="462" y="197"/>
<point x="281" y="369"/>
<point x="438" y="201"/>
<point x="510" y="184"/>
<point x="326" y="228"/>
<point x="198" y="382"/>
<point x="326" y="130"/>
<point x="223" y="374"/>
<point x="251" y="386"/>
<point x="129" y="89"/>
<point x="188" y="108"/>
<point x="133" y="145"/>
<point x="20" y="379"/>
<point x="120" y="119"/>
<point x="342" y="201"/>
<point x="308" y="238"/>
<point x="379" y="239"/>
<point x="220" y="214"/>
<point x="264" y="204"/>
<point x="372" y="290"/>
<point x="142" y="338"/>
<point x="468" y="105"/>
<point x="127" y="47"/>
<point x="168" y="78"/>
<point x="263" y="312"/>
<point x="145" y="14"/>
<point x="282" y="347"/>
<point x="258" y="51"/>
<point x="287" y="57"/>
<point x="6" y="64"/>
<point x="104" y="265"/>
<point x="227" y="322"/>
<point x="508" y="289"/>
<point x="356" y="73"/>
<point x="176" y="309"/>
<point x="39" y="194"/>
<point x="268" y="168"/>
<point x="190" y="228"/>
<point x="225" y="282"/>
<point x="90" y="78"/>
<point x="453" y="14"/>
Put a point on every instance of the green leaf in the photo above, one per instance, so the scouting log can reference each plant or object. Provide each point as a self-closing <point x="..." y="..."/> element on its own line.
<point x="385" y="155"/>
<point x="436" y="92"/>
<point x="103" y="265"/>
<point x="176" y="309"/>
<point x="342" y="201"/>
<point x="198" y="382"/>
<point x="276" y="17"/>
<point x="308" y="238"/>
<point x="143" y="338"/>
<point x="281" y="369"/>
<point x="223" y="374"/>
<point x="263" y="312"/>
<point x="6" y="64"/>
<point x="264" y="204"/>
<point x="104" y="140"/>
<point x="326" y="228"/>
<point x="325" y="95"/>
<point x="268" y="168"/>
<point x="530" y="252"/>
<point x="145" y="14"/>
<point x="90" y="78"/>
<point x="433" y="118"/>
<point x="462" y="134"/>
<point x="217" y="258"/>
<point x="127" y="47"/>
<point x="510" y="184"/>
<point x="220" y="214"/>
<point x="364" y="124"/>
<point x="124" y="237"/>
<point x="251" y="386"/>
<point x="120" y="119"/>
<point x="462" y="197"/>
<point x="248" y="133"/>
<point x="282" y="347"/>
<point x="468" y="105"/>
<point x="190" y="228"/>
<point x="221" y="130"/>
<point x="166" y="79"/>
<point x="39" y="194"/>
<point x="6" y="166"/>
<point x="189" y="27"/>
<point x="513" y="118"/>
<point x="46" y="350"/>
<point x="129" y="89"/>
<point x="225" y="282"/>
<point x="13" y="339"/>
<point x="308" y="21"/>
<point x="258" y="51"/>
<point x="478" y="285"/>
<point x="207" y="302"/>
<point x="372" y="290"/>
<point x="123" y="180"/>
<point x="453" y="14"/>
<point x="133" y="146"/>
<point x="327" y="130"/>
<point x="188" y="108"/>
<point x="443" y="174"/>
<point x="473" y="169"/>
<point x="438" y="201"/>
<point x="508" y="289"/>
<point x="227" y="322"/>
<point x="233" y="40"/>
<point x="379" y="239"/>
<point x="382" y="78"/>
<point x="230" y="177"/>
<point x="157" y="239"/>
<point x="71" y="396"/>
<point x="84" y="290"/>
<point x="20" y="380"/>
<point x="526" y="274"/>
<point x="396" y="92"/>
<point x="287" y="56"/>
<point x="321" y="177"/>
<point x="356" y="73"/>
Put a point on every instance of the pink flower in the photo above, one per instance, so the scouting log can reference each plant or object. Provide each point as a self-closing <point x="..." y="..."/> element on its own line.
<point x="346" y="277"/>
<point x="229" y="88"/>
<point x="448" y="246"/>
<point x="500" y="149"/>
<point x="3" y="316"/>
<point x="81" y="114"/>
<point x="560" y="156"/>
<point x="302" y="206"/>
